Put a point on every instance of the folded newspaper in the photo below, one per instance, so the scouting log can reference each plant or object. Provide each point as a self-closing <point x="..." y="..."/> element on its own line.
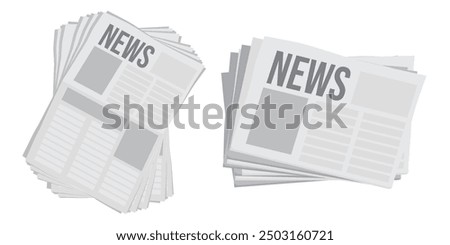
<point x="99" y="61"/>
<point x="298" y="114"/>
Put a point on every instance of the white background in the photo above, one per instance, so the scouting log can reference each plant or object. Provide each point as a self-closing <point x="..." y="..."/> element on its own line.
<point x="416" y="210"/>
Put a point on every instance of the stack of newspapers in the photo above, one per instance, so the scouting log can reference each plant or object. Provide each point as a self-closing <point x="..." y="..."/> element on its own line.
<point x="297" y="114"/>
<point x="88" y="144"/>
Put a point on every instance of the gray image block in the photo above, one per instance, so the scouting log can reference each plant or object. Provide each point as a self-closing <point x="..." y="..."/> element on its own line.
<point x="173" y="71"/>
<point x="98" y="70"/>
<point x="278" y="139"/>
<point x="397" y="97"/>
<point x="136" y="146"/>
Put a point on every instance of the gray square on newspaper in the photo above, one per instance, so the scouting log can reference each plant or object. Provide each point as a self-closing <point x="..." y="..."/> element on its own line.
<point x="278" y="139"/>
<point x="135" y="147"/>
<point x="98" y="70"/>
<point x="173" y="71"/>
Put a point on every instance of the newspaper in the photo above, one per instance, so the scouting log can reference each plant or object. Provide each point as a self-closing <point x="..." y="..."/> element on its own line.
<point x="243" y="175"/>
<point x="163" y="165"/>
<point x="368" y="155"/>
<point x="73" y="147"/>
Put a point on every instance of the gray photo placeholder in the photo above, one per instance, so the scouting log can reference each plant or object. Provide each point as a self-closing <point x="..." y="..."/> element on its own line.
<point x="173" y="71"/>
<point x="98" y="70"/>
<point x="397" y="96"/>
<point x="135" y="147"/>
<point x="279" y="139"/>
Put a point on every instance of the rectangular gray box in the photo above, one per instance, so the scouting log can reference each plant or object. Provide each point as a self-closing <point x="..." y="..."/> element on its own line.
<point x="382" y="94"/>
<point x="278" y="139"/>
<point x="136" y="146"/>
<point x="173" y="71"/>
<point x="98" y="70"/>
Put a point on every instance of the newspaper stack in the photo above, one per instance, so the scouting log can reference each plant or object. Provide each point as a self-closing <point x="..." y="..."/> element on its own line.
<point x="100" y="60"/>
<point x="375" y="98"/>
